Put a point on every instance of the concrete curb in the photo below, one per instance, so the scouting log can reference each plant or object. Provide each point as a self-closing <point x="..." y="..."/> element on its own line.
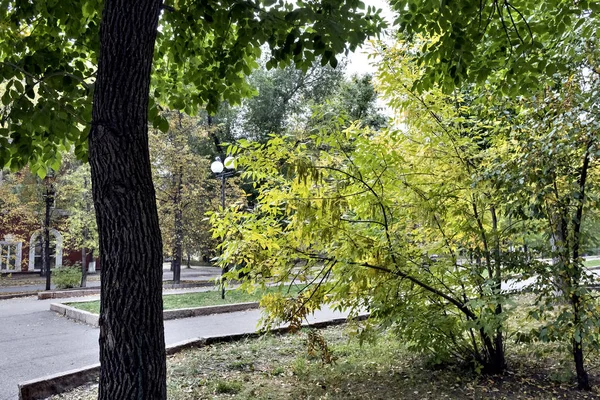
<point x="207" y="310"/>
<point x="47" y="386"/>
<point x="93" y="319"/>
<point x="16" y="295"/>
<point x="62" y="294"/>
<point x="58" y="383"/>
<point x="188" y="285"/>
<point x="76" y="314"/>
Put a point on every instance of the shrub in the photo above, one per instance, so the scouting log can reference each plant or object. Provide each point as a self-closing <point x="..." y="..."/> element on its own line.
<point x="66" y="277"/>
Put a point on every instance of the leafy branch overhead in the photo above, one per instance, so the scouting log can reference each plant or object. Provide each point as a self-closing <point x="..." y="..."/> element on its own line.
<point x="513" y="43"/>
<point x="204" y="50"/>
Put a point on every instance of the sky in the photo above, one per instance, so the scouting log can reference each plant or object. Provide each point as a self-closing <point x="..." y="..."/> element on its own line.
<point x="358" y="62"/>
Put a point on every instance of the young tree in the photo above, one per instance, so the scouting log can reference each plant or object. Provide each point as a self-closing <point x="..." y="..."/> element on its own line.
<point x="546" y="174"/>
<point x="551" y="168"/>
<point x="547" y="167"/>
<point x="401" y="221"/>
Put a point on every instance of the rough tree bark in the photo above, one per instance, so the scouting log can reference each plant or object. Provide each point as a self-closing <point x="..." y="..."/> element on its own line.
<point x="132" y="347"/>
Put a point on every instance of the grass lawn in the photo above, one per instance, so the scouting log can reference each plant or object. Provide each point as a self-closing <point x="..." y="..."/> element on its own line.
<point x="280" y="367"/>
<point x="592" y="263"/>
<point x="196" y="299"/>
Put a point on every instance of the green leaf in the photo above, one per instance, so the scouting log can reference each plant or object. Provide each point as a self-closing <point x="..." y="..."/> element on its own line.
<point x="6" y="99"/>
<point x="333" y="62"/>
<point x="163" y="125"/>
<point x="42" y="172"/>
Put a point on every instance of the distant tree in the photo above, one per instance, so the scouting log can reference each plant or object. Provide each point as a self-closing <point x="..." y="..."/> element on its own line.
<point x="185" y="188"/>
<point x="355" y="99"/>
<point x="284" y="95"/>
<point x="179" y="178"/>
<point x="29" y="206"/>
<point x="74" y="196"/>
<point x="18" y="210"/>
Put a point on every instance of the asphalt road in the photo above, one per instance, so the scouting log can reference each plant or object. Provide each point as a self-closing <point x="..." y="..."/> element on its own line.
<point x="35" y="342"/>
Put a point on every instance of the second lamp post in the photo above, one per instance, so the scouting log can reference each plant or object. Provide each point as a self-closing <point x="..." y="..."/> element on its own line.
<point x="223" y="170"/>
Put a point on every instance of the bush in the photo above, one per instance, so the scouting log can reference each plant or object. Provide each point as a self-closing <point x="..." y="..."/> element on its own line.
<point x="66" y="277"/>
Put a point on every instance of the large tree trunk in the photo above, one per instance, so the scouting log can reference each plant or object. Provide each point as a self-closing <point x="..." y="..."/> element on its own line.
<point x="132" y="346"/>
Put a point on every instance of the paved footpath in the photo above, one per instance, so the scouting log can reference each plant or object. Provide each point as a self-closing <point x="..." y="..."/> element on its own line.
<point x="196" y="273"/>
<point x="35" y="342"/>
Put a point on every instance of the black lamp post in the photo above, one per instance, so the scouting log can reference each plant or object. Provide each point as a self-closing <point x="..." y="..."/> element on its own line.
<point x="49" y="200"/>
<point x="223" y="170"/>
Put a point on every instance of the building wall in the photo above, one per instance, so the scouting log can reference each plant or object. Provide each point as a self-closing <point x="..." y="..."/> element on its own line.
<point x="9" y="244"/>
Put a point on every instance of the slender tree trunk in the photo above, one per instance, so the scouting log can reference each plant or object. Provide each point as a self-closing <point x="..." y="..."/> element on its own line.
<point x="189" y="265"/>
<point x="494" y="346"/>
<point x="84" y="264"/>
<point x="583" y="382"/>
<point x="499" y="361"/>
<point x="178" y="223"/>
<point x="132" y="345"/>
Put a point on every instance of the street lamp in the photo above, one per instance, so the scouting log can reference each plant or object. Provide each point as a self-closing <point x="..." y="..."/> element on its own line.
<point x="223" y="170"/>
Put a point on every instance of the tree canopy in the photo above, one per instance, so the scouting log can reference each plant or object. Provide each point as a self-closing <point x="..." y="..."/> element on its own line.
<point x="512" y="43"/>
<point x="49" y="54"/>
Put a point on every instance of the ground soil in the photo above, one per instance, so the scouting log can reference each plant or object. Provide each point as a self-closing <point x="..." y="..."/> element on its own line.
<point x="286" y="367"/>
